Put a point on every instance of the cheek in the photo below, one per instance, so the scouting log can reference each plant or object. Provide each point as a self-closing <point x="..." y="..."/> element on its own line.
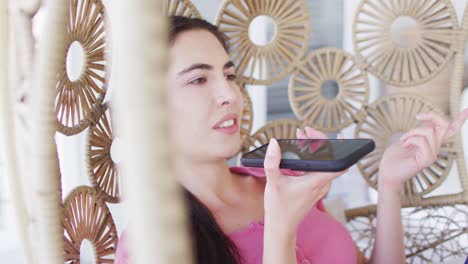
<point x="239" y="96"/>
<point x="189" y="102"/>
<point x="188" y="110"/>
<point x="241" y="101"/>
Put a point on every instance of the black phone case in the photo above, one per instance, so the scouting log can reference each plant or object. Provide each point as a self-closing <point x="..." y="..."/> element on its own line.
<point x="316" y="165"/>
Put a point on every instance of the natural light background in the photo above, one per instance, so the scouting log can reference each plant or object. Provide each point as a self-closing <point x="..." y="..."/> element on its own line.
<point x="331" y="22"/>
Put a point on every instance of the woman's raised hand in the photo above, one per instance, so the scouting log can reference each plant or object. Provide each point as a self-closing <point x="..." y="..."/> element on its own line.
<point x="417" y="149"/>
<point x="288" y="199"/>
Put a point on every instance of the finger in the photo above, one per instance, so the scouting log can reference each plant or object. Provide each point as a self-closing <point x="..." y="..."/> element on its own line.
<point x="339" y="136"/>
<point x="272" y="161"/>
<point x="440" y="123"/>
<point x="324" y="190"/>
<point x="315" y="192"/>
<point x="436" y="119"/>
<point x="314" y="180"/>
<point x="300" y="134"/>
<point x="457" y="123"/>
<point x="428" y="133"/>
<point x="312" y="133"/>
<point x="423" y="154"/>
<point x="316" y="144"/>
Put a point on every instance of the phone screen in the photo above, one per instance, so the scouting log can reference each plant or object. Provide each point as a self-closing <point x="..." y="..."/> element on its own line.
<point x="312" y="149"/>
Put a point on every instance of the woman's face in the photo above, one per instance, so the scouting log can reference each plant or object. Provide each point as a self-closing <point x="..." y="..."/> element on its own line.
<point x="204" y="100"/>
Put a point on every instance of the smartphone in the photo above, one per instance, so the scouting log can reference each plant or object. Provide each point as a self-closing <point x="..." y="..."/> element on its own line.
<point x="329" y="155"/>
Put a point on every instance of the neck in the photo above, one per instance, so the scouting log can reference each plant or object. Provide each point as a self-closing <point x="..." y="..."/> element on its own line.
<point x="210" y="181"/>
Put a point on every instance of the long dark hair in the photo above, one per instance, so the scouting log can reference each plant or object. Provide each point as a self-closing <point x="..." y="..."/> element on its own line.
<point x="211" y="244"/>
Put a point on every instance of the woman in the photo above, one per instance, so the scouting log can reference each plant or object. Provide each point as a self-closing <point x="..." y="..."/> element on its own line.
<point x="241" y="215"/>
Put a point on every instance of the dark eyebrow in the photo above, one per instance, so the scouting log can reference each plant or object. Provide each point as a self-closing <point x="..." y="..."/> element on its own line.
<point x="228" y="65"/>
<point x="203" y="66"/>
<point x="195" y="66"/>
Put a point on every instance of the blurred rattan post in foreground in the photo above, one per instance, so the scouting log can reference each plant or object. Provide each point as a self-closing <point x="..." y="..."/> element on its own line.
<point x="157" y="226"/>
<point x="456" y="88"/>
<point x="45" y="164"/>
<point x="8" y="137"/>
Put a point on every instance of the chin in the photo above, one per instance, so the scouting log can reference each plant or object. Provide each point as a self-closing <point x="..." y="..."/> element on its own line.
<point x="235" y="152"/>
<point x="230" y="149"/>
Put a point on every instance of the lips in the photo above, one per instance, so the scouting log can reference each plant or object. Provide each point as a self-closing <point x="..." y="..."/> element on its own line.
<point x="228" y="124"/>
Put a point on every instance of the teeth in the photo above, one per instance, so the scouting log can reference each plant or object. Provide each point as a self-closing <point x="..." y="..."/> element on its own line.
<point x="227" y="123"/>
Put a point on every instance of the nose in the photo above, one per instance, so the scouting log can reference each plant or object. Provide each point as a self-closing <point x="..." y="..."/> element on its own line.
<point x="226" y="93"/>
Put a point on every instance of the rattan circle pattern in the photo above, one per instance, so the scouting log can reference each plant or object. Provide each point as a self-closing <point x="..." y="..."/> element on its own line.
<point x="283" y="128"/>
<point x="265" y="64"/>
<point x="247" y="114"/>
<point x="180" y="8"/>
<point x="86" y="216"/>
<point x="307" y="85"/>
<point x="75" y="99"/>
<point x="404" y="42"/>
<point x="103" y="172"/>
<point x="387" y="119"/>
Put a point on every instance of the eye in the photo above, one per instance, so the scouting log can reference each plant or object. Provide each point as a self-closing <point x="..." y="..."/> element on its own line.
<point x="231" y="77"/>
<point x="198" y="81"/>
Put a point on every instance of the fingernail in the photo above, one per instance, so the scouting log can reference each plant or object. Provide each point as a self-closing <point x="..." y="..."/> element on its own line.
<point x="271" y="144"/>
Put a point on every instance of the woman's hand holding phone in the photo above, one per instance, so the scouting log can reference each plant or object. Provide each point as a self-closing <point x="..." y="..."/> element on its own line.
<point x="288" y="199"/>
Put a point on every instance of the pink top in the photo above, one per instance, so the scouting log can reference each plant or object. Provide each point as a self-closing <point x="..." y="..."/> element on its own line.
<point x="320" y="238"/>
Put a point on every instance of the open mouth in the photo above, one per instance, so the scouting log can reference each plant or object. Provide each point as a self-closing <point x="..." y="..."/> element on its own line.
<point x="228" y="124"/>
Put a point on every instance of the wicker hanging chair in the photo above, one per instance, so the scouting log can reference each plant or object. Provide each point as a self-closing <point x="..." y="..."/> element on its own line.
<point x="404" y="42"/>
<point x="312" y="93"/>
<point x="388" y="118"/>
<point x="103" y="171"/>
<point x="435" y="226"/>
<point x="76" y="98"/>
<point x="258" y="63"/>
<point x="86" y="217"/>
<point x="180" y="8"/>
